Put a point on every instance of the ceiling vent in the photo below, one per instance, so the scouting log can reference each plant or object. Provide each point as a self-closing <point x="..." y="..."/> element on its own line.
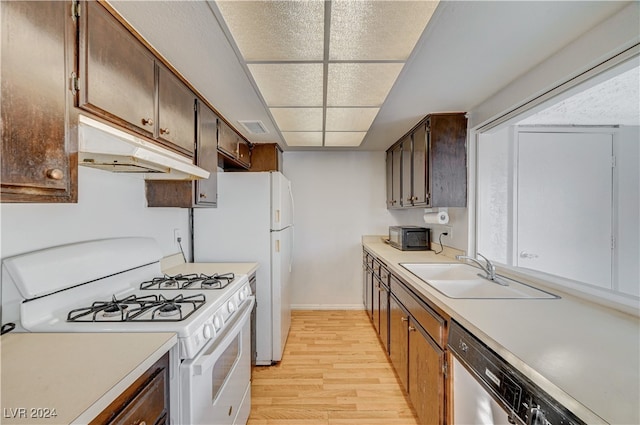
<point x="254" y="127"/>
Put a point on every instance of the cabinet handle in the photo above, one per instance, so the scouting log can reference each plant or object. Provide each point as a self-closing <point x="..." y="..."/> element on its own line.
<point x="203" y="195"/>
<point x="404" y="319"/>
<point x="164" y="131"/>
<point x="147" y="121"/>
<point x="411" y="328"/>
<point x="55" y="174"/>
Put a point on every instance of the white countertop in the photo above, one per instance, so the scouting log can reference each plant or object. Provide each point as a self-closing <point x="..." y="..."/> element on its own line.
<point x="585" y="355"/>
<point x="77" y="374"/>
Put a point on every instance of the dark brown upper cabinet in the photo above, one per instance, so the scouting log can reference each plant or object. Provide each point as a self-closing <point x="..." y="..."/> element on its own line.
<point x="234" y="150"/>
<point x="39" y="124"/>
<point x="122" y="81"/>
<point x="394" y="176"/>
<point x="433" y="164"/>
<point x="266" y="157"/>
<point x="206" y="191"/>
<point x="175" y="111"/>
<point x="199" y="193"/>
<point x="116" y="72"/>
<point x="406" y="182"/>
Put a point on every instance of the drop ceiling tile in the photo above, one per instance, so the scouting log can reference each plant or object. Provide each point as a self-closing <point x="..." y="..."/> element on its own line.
<point x="343" y="138"/>
<point x="377" y="30"/>
<point x="360" y="84"/>
<point x="297" y="84"/>
<point x="298" y="119"/>
<point x="350" y="119"/>
<point x="276" y="30"/>
<point x="303" y="138"/>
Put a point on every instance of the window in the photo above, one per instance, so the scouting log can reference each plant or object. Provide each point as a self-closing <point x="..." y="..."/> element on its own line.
<point x="558" y="188"/>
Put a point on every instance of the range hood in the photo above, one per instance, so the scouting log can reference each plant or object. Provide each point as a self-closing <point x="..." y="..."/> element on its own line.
<point x="107" y="148"/>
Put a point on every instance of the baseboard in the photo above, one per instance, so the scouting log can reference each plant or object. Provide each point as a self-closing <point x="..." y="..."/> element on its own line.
<point x="327" y="307"/>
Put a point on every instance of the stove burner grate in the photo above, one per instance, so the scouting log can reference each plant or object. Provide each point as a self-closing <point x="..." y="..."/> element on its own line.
<point x="168" y="282"/>
<point x="189" y="281"/>
<point x="110" y="309"/>
<point x="148" y="308"/>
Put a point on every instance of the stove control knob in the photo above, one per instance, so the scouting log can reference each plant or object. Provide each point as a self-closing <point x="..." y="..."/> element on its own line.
<point x="230" y="307"/>
<point x="208" y="331"/>
<point x="242" y="295"/>
<point x="216" y="323"/>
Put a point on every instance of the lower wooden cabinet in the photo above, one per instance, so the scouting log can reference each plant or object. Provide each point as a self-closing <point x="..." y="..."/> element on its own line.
<point x="146" y="401"/>
<point x="384" y="317"/>
<point x="414" y="336"/>
<point x="426" y="376"/>
<point x="367" y="290"/>
<point x="399" y="340"/>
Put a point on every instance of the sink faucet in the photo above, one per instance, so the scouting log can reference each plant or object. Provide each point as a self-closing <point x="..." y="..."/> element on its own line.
<point x="488" y="268"/>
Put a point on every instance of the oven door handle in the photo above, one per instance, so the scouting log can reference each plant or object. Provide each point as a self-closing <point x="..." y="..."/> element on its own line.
<point x="206" y="360"/>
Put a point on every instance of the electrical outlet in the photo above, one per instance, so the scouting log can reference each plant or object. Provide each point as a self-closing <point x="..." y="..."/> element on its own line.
<point x="448" y="230"/>
<point x="177" y="236"/>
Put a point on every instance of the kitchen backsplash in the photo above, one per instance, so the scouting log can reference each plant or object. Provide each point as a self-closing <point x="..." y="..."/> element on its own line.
<point x="109" y="205"/>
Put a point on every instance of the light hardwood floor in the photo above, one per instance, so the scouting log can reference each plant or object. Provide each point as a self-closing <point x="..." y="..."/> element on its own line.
<point x="334" y="371"/>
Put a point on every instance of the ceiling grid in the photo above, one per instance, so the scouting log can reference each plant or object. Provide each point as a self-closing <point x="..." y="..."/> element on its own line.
<point x="324" y="68"/>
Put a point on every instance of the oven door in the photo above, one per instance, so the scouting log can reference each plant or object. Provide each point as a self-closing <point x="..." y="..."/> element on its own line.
<point x="216" y="383"/>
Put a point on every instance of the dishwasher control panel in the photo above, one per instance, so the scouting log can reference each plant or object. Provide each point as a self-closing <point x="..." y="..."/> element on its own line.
<point x="524" y="401"/>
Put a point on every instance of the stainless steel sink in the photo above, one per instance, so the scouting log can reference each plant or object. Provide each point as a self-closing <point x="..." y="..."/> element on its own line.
<point x="457" y="280"/>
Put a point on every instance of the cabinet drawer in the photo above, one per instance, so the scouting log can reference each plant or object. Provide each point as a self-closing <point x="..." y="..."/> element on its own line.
<point x="424" y="315"/>
<point x="145" y="401"/>
<point x="148" y="406"/>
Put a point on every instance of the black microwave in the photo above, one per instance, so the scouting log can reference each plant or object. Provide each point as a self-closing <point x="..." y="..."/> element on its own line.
<point x="410" y="238"/>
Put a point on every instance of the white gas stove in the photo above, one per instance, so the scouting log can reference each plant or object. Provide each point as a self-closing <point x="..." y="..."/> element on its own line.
<point x="116" y="285"/>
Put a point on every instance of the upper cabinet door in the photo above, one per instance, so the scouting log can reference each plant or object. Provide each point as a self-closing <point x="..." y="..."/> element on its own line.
<point x="117" y="73"/>
<point x="396" y="176"/>
<point x="207" y="156"/>
<point x="420" y="172"/>
<point x="406" y="196"/>
<point x="447" y="156"/>
<point x="389" y="164"/>
<point x="38" y="155"/>
<point x="244" y="153"/>
<point x="176" y="112"/>
<point x="227" y="139"/>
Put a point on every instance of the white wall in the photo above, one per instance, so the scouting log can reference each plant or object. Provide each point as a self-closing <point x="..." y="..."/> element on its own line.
<point x="627" y="264"/>
<point x="457" y="228"/>
<point x="339" y="196"/>
<point x="613" y="36"/>
<point x="109" y="205"/>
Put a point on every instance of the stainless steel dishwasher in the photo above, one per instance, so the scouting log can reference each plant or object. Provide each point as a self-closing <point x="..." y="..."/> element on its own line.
<point x="488" y="390"/>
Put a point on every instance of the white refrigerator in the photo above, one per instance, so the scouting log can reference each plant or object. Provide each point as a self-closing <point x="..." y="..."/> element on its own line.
<point x="254" y="223"/>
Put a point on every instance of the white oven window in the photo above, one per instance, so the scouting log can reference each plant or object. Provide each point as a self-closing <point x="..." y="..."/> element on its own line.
<point x="224" y="366"/>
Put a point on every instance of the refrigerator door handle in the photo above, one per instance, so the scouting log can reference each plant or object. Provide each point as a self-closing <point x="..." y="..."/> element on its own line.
<point x="293" y="228"/>
<point x="293" y="233"/>
<point x="293" y="209"/>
